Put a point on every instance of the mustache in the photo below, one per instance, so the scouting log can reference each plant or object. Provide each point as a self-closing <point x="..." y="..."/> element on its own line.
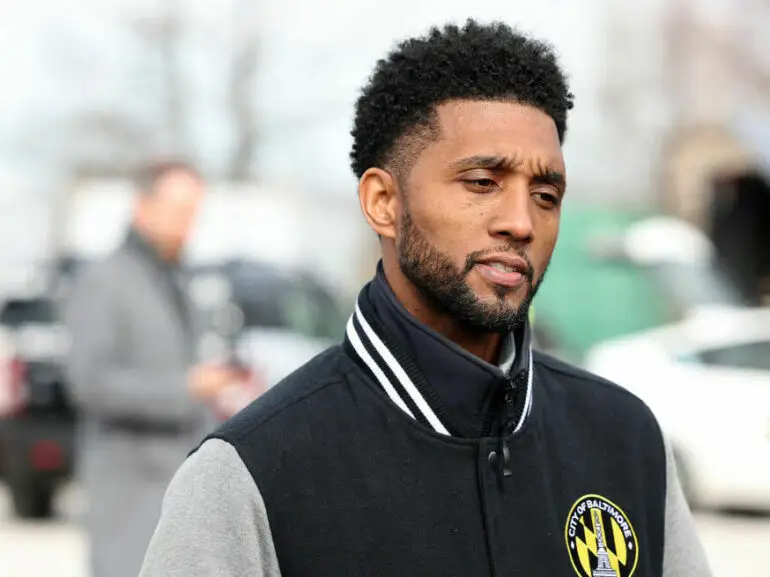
<point x="472" y="259"/>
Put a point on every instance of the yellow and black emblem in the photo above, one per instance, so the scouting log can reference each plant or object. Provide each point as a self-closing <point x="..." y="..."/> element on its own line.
<point x="600" y="539"/>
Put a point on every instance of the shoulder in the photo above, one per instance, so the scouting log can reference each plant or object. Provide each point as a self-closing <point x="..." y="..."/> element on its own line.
<point x="213" y="520"/>
<point x="91" y="285"/>
<point x="102" y="285"/>
<point x="296" y="398"/>
<point x="584" y="389"/>
<point x="101" y="272"/>
<point x="208" y="469"/>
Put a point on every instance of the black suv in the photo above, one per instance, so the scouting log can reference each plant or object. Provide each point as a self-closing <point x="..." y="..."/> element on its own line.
<point x="37" y="421"/>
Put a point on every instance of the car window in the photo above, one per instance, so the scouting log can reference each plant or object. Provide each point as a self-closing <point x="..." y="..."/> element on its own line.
<point x="262" y="309"/>
<point x="272" y="302"/>
<point x="269" y="299"/>
<point x="744" y="356"/>
<point x="20" y="312"/>
<point x="313" y="313"/>
<point x="34" y="329"/>
<point x="293" y="307"/>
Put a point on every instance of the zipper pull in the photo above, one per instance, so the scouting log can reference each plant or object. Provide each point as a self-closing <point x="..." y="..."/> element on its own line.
<point x="507" y="472"/>
<point x="500" y="463"/>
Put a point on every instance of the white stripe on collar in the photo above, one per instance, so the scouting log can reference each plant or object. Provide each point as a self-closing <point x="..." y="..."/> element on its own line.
<point x="401" y="375"/>
<point x="528" y="399"/>
<point x="355" y="340"/>
<point x="387" y="357"/>
<point x="507" y="353"/>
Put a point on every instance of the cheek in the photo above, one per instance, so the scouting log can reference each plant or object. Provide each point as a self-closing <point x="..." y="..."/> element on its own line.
<point x="183" y="222"/>
<point x="546" y="235"/>
<point x="449" y="225"/>
<point x="170" y="228"/>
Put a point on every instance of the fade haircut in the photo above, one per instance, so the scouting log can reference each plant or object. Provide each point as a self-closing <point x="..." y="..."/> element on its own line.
<point x="396" y="113"/>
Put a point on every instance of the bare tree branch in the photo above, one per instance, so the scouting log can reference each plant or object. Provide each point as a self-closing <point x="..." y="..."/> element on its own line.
<point x="105" y="143"/>
<point x="241" y="102"/>
<point x="151" y="111"/>
<point x="162" y="32"/>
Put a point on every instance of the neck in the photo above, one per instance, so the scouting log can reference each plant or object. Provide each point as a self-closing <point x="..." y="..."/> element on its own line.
<point x="166" y="253"/>
<point x="485" y="345"/>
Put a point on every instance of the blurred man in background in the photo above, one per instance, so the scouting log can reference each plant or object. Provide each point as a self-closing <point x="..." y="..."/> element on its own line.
<point x="141" y="399"/>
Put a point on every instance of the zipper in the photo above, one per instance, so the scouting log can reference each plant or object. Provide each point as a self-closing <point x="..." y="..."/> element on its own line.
<point x="509" y="398"/>
<point x="494" y="422"/>
<point x="507" y="425"/>
<point x="500" y="459"/>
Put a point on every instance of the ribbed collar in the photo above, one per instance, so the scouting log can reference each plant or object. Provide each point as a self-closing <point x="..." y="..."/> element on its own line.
<point x="432" y="378"/>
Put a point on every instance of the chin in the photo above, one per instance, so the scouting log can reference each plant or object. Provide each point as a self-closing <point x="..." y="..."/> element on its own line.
<point x="512" y="297"/>
<point x="515" y="304"/>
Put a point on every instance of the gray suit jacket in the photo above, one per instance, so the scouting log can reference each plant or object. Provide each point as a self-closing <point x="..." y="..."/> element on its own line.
<point x="133" y="342"/>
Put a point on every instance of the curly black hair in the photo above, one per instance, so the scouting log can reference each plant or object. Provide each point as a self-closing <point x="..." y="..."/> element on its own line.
<point x="475" y="62"/>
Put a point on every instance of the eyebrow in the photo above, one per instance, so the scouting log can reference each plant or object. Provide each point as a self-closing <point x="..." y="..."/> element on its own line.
<point x="542" y="173"/>
<point x="545" y="175"/>
<point x="488" y="162"/>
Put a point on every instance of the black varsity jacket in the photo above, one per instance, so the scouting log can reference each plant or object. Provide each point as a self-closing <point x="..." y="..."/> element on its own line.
<point x="363" y="463"/>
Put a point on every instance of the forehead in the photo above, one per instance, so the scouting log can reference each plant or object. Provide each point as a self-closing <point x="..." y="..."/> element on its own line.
<point x="178" y="187"/>
<point x="495" y="128"/>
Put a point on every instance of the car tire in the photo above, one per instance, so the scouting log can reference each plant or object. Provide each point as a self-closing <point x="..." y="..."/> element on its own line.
<point x="31" y="501"/>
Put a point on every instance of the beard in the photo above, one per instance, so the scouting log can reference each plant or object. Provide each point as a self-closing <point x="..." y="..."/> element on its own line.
<point x="446" y="288"/>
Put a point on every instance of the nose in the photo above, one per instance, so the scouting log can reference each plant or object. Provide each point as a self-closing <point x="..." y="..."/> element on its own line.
<point x="512" y="218"/>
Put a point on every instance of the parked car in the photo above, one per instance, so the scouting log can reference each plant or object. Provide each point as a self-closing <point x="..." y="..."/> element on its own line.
<point x="36" y="417"/>
<point x="268" y="319"/>
<point x="707" y="379"/>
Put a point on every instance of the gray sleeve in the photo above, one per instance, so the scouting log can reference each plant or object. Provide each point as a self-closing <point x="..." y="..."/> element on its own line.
<point x="104" y="380"/>
<point x="213" y="521"/>
<point x="683" y="554"/>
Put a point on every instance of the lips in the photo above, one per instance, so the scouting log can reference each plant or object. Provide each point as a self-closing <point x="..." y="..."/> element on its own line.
<point x="507" y="263"/>
<point x="504" y="270"/>
<point x="503" y="267"/>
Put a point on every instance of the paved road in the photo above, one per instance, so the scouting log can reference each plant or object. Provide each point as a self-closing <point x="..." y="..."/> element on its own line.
<point x="738" y="546"/>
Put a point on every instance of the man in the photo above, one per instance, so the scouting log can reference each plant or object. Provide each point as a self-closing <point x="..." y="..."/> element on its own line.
<point x="434" y="441"/>
<point x="133" y="343"/>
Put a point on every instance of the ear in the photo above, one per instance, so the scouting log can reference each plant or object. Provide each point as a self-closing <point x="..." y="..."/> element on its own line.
<point x="378" y="195"/>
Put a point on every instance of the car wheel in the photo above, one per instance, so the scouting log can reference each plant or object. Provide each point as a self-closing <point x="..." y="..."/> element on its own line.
<point x="31" y="501"/>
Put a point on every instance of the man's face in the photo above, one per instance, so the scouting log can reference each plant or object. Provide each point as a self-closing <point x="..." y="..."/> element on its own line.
<point x="168" y="212"/>
<point x="480" y="212"/>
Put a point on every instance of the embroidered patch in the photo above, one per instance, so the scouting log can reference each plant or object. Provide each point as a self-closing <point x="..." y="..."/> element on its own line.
<point x="600" y="539"/>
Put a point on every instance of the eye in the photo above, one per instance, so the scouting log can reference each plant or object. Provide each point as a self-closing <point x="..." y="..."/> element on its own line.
<point x="480" y="185"/>
<point x="547" y="199"/>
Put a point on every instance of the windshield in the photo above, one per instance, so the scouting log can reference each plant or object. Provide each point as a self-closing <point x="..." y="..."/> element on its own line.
<point x="296" y="307"/>
<point x="268" y="298"/>
<point x="744" y="356"/>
